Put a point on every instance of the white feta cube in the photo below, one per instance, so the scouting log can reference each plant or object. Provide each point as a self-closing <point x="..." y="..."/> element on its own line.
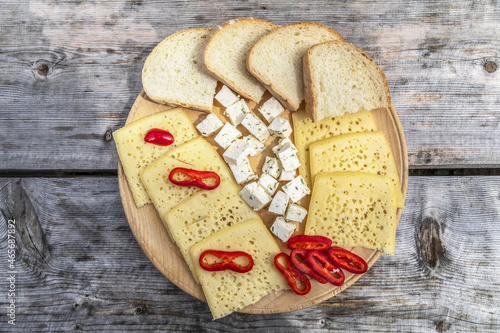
<point x="280" y="127"/>
<point x="284" y="149"/>
<point x="256" y="127"/>
<point x="296" y="213"/>
<point x="297" y="189"/>
<point x="243" y="172"/>
<point x="290" y="163"/>
<point x="279" y="203"/>
<point x="268" y="183"/>
<point x="227" y="135"/>
<point x="283" y="229"/>
<point x="209" y="125"/>
<point x="226" y="97"/>
<point x="236" y="152"/>
<point x="255" y="196"/>
<point x="257" y="147"/>
<point x="271" y="109"/>
<point x="271" y="166"/>
<point x="237" y="112"/>
<point x="287" y="175"/>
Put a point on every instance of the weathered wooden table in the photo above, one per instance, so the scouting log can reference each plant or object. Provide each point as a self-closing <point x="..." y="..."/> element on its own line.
<point x="70" y="72"/>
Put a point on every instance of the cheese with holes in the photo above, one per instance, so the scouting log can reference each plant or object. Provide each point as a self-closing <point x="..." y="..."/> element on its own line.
<point x="354" y="209"/>
<point x="366" y="152"/>
<point x="135" y="154"/>
<point x="205" y="213"/>
<point x="228" y="291"/>
<point x="305" y="132"/>
<point x="196" y="154"/>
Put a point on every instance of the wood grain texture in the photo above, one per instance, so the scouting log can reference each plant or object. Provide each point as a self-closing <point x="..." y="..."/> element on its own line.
<point x="71" y="71"/>
<point x="93" y="276"/>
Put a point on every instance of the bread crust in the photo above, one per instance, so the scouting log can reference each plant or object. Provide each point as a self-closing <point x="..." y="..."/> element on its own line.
<point x="287" y="103"/>
<point x="310" y="93"/>
<point x="166" y="101"/>
<point x="209" y="41"/>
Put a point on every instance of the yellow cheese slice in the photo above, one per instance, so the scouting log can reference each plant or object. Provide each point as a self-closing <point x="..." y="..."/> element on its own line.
<point x="135" y="154"/>
<point x="354" y="209"/>
<point x="205" y="213"/>
<point x="228" y="291"/>
<point x="306" y="132"/>
<point x="365" y="151"/>
<point x="196" y="154"/>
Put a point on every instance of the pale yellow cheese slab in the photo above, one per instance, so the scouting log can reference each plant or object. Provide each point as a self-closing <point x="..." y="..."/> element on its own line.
<point x="306" y="131"/>
<point x="196" y="154"/>
<point x="354" y="209"/>
<point x="228" y="291"/>
<point x="205" y="213"/>
<point x="368" y="152"/>
<point x="135" y="154"/>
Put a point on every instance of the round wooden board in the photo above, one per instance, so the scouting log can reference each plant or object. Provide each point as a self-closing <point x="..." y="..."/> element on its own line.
<point x="153" y="238"/>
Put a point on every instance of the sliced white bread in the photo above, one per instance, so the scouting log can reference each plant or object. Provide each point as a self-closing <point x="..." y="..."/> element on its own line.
<point x="339" y="78"/>
<point x="276" y="59"/>
<point x="226" y="51"/>
<point x="173" y="73"/>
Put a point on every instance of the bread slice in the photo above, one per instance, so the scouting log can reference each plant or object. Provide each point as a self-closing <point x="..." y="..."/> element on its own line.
<point x="276" y="59"/>
<point x="173" y="73"/>
<point x="225" y="54"/>
<point x="339" y="78"/>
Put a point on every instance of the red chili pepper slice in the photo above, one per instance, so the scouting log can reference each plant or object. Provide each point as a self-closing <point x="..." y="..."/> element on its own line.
<point x="194" y="178"/>
<point x="228" y="261"/>
<point x="308" y="242"/>
<point x="159" y="137"/>
<point x="291" y="275"/>
<point x="301" y="265"/>
<point x="320" y="263"/>
<point x="347" y="260"/>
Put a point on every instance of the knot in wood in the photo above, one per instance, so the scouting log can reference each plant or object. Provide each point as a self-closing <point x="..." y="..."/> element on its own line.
<point x="431" y="247"/>
<point x="41" y="69"/>
<point x="490" y="66"/>
<point x="108" y="136"/>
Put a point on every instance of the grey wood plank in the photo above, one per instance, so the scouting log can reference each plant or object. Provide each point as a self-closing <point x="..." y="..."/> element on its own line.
<point x="71" y="71"/>
<point x="79" y="267"/>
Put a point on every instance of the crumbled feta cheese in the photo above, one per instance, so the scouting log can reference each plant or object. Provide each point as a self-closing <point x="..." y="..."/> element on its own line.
<point x="227" y="135"/>
<point x="256" y="127"/>
<point x="271" y="109"/>
<point x="280" y="127"/>
<point x="226" y="97"/>
<point x="209" y="125"/>
<point x="290" y="163"/>
<point x="243" y="172"/>
<point x="255" y="196"/>
<point x="297" y="189"/>
<point x="268" y="183"/>
<point x="236" y="152"/>
<point x="257" y="147"/>
<point x="271" y="166"/>
<point x="279" y="203"/>
<point x="237" y="112"/>
<point x="287" y="175"/>
<point x="296" y="213"/>
<point x="282" y="228"/>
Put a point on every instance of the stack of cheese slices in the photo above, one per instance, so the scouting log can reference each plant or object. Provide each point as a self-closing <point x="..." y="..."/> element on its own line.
<point x="348" y="185"/>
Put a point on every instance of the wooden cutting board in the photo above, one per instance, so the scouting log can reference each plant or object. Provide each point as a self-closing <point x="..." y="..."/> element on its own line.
<point x="152" y="236"/>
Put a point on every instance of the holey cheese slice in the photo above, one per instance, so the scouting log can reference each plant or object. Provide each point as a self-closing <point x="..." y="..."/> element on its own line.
<point x="205" y="213"/>
<point x="135" y="154"/>
<point x="365" y="151"/>
<point x="228" y="291"/>
<point x="306" y="132"/>
<point x="354" y="209"/>
<point x="196" y="154"/>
